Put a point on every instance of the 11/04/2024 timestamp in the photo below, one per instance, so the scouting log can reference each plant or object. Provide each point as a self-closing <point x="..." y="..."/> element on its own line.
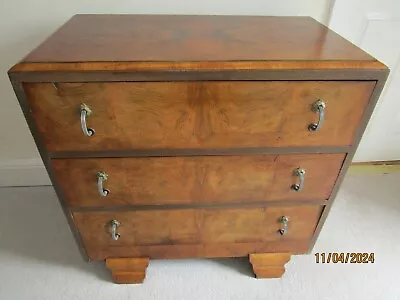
<point x="344" y="258"/>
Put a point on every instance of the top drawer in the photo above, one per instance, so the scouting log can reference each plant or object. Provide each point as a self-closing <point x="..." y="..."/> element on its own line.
<point x="150" y="115"/>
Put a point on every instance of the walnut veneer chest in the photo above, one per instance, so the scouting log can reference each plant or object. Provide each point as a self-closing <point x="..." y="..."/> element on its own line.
<point x="196" y="136"/>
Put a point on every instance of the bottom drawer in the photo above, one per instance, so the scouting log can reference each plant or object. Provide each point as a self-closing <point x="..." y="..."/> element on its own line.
<point x="205" y="232"/>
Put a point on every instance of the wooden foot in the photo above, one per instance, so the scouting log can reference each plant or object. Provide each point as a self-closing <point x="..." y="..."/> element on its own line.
<point x="127" y="270"/>
<point x="269" y="265"/>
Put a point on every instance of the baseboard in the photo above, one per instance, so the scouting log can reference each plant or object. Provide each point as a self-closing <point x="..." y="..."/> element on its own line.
<point x="31" y="172"/>
<point x="375" y="167"/>
<point x="23" y="172"/>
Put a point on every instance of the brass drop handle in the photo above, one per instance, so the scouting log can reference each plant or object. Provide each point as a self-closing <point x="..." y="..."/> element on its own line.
<point x="318" y="107"/>
<point x="284" y="222"/>
<point x="114" y="224"/>
<point x="301" y="174"/>
<point x="85" y="112"/>
<point x="101" y="177"/>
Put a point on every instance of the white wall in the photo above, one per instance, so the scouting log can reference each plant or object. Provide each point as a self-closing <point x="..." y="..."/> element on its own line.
<point x="26" y="23"/>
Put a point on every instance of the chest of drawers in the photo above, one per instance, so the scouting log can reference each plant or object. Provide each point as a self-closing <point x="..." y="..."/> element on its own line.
<point x="196" y="136"/>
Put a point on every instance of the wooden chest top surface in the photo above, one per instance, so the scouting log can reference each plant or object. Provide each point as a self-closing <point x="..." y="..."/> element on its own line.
<point x="179" y="38"/>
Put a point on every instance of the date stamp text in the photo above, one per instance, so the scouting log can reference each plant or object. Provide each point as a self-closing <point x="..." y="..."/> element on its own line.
<point x="344" y="258"/>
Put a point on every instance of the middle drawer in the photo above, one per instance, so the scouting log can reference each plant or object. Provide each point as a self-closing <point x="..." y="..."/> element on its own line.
<point x="105" y="182"/>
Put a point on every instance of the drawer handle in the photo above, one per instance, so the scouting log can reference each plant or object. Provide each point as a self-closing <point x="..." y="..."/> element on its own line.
<point x="299" y="173"/>
<point x="114" y="224"/>
<point x="86" y="112"/>
<point x="101" y="177"/>
<point x="284" y="221"/>
<point x="318" y="107"/>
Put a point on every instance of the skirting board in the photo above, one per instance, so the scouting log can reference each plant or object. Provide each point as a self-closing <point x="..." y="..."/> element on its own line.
<point x="23" y="172"/>
<point x="375" y="167"/>
<point x="31" y="172"/>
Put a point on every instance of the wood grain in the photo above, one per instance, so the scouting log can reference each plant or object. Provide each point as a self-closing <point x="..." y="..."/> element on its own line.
<point x="269" y="265"/>
<point x="150" y="115"/>
<point x="169" y="67"/>
<point x="196" y="180"/>
<point x="193" y="38"/>
<point x="199" y="250"/>
<point x="127" y="270"/>
<point x="195" y="227"/>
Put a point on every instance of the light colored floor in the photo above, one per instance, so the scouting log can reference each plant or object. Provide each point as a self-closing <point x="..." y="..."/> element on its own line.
<point x="39" y="259"/>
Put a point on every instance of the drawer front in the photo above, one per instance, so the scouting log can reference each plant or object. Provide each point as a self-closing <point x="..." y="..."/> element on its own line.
<point x="197" y="179"/>
<point x="151" y="115"/>
<point x="195" y="227"/>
